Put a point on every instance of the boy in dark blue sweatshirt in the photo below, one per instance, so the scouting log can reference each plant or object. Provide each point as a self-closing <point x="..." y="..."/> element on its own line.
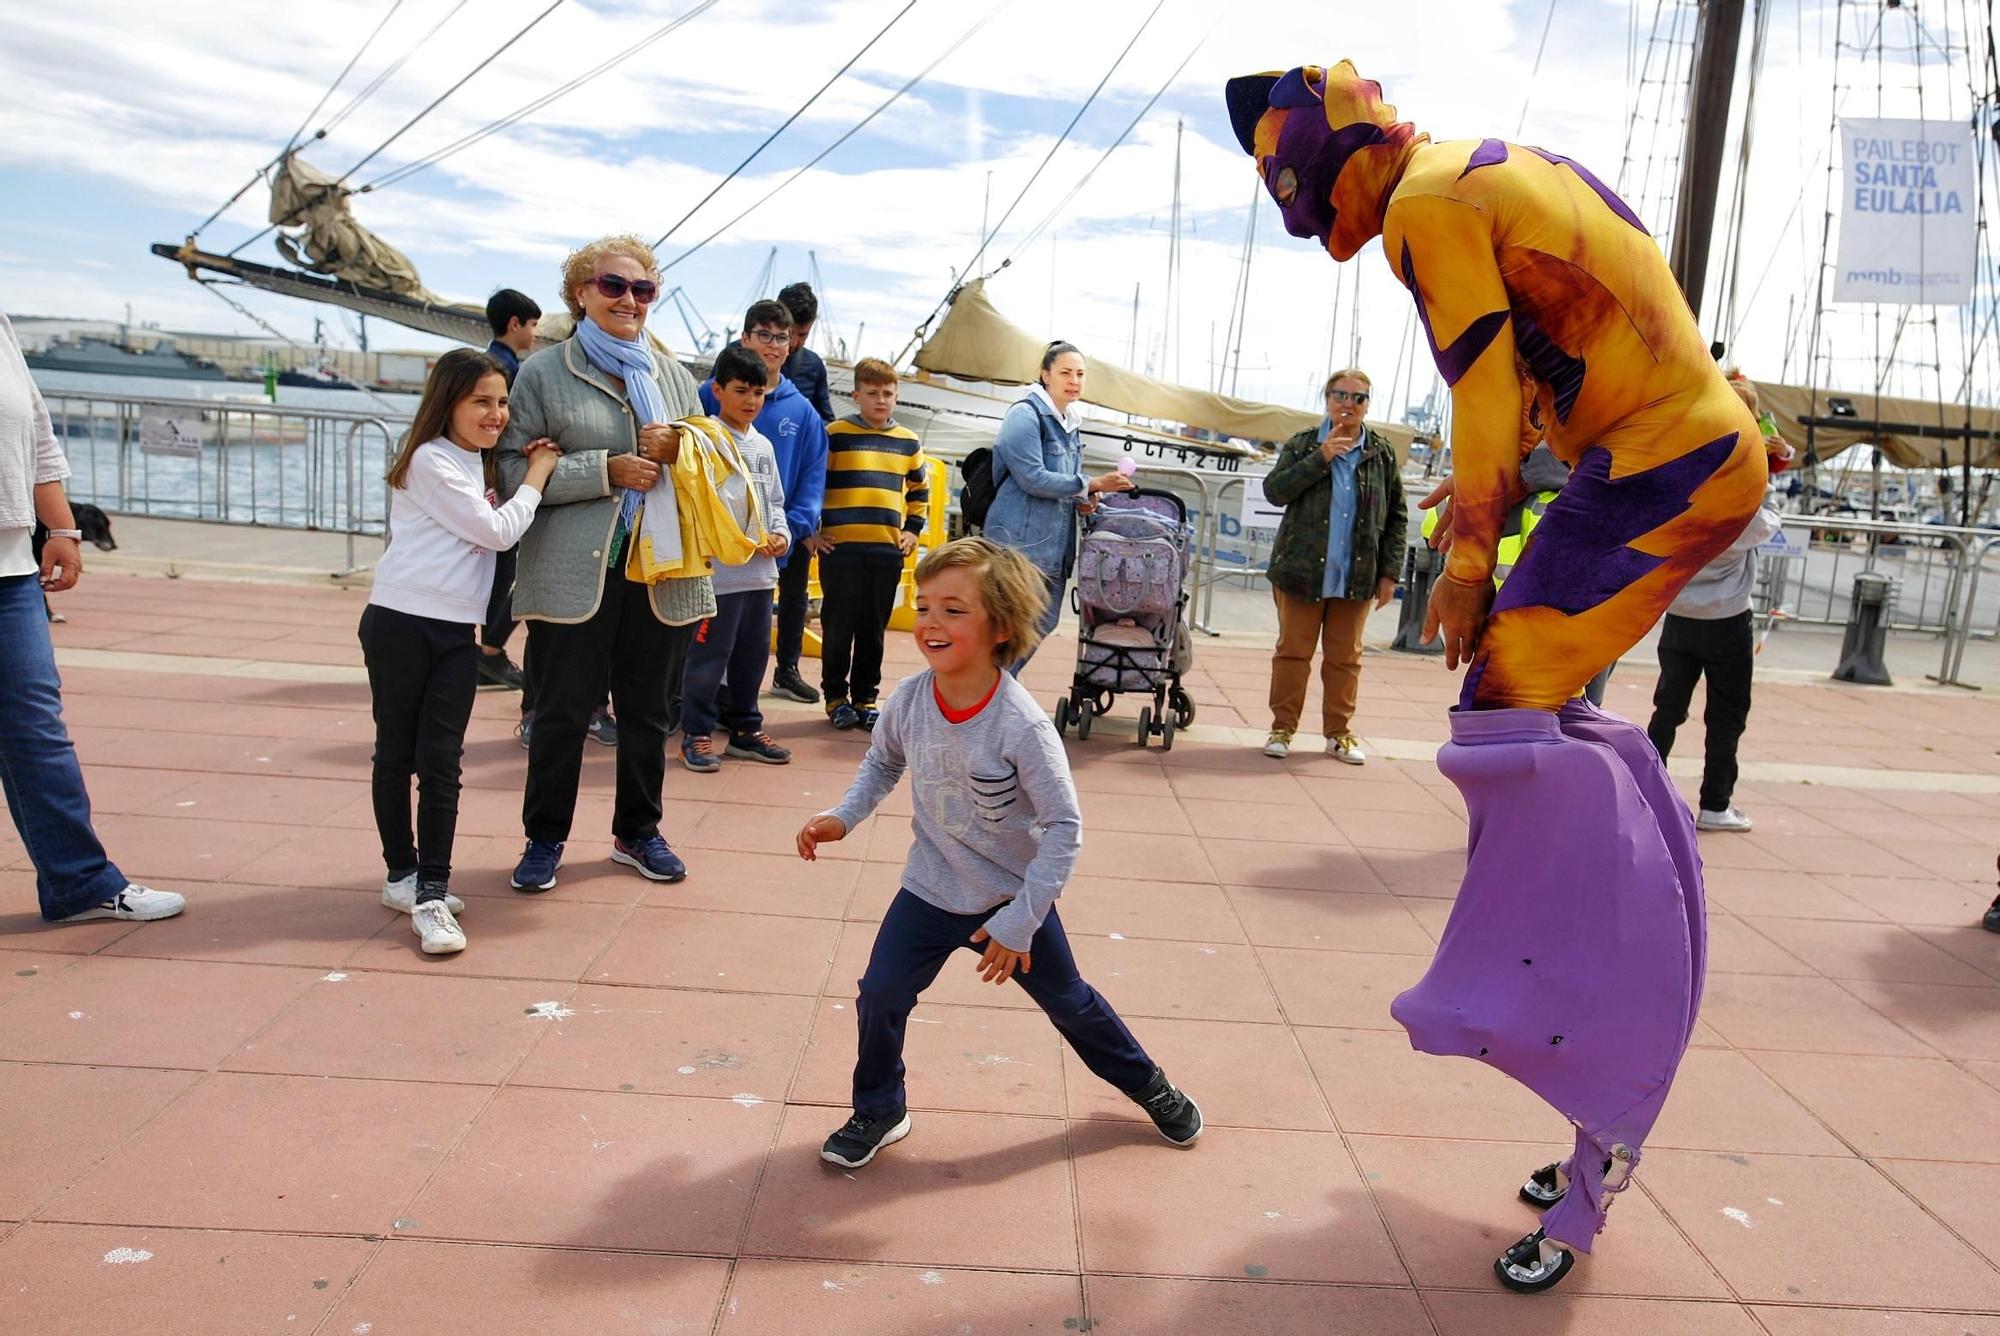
<point x="804" y="367"/>
<point x="796" y="433"/>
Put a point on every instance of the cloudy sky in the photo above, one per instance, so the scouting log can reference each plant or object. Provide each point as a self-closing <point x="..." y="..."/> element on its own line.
<point x="128" y="121"/>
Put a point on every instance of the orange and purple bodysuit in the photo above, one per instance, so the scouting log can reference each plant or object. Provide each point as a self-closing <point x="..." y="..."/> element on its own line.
<point x="1541" y="295"/>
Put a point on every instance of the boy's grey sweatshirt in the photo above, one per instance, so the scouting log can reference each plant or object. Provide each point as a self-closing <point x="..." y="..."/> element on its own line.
<point x="997" y="821"/>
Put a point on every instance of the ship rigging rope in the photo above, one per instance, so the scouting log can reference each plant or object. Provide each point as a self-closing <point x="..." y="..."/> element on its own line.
<point x="432" y="106"/>
<point x="459" y="145"/>
<point x="987" y="240"/>
<point x="1540" y="47"/>
<point x="1049" y="218"/>
<point x="803" y="107"/>
<point x="258" y="175"/>
<point x="387" y="74"/>
<point x="862" y="124"/>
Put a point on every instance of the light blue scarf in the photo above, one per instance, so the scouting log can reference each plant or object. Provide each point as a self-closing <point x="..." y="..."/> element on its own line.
<point x="632" y="361"/>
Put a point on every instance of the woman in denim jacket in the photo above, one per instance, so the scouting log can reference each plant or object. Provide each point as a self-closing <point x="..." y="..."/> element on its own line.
<point x="1038" y="483"/>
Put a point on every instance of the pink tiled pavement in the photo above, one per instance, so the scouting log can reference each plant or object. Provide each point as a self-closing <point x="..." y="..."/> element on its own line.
<point x="275" y="1114"/>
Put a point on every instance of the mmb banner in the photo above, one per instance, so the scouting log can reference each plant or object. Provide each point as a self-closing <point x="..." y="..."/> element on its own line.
<point x="1908" y="213"/>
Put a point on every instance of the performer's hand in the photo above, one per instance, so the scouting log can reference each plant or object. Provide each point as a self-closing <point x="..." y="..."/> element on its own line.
<point x="1385" y="589"/>
<point x="1459" y="611"/>
<point x="820" y="830"/>
<point x="997" y="965"/>
<point x="1440" y="501"/>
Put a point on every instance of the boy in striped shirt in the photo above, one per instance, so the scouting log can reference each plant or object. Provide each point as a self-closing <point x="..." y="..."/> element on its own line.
<point x="877" y="493"/>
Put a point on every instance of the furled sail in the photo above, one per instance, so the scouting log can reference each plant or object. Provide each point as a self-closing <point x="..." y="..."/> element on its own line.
<point x="976" y="342"/>
<point x="1910" y="433"/>
<point x="333" y="242"/>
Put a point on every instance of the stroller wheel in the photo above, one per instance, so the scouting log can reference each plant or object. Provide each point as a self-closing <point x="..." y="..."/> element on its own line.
<point x="1183" y="707"/>
<point x="1145" y="724"/>
<point x="1083" y="717"/>
<point x="1166" y="732"/>
<point x="1062" y="715"/>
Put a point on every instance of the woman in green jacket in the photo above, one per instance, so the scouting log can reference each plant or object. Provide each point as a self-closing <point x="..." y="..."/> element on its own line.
<point x="1337" y="553"/>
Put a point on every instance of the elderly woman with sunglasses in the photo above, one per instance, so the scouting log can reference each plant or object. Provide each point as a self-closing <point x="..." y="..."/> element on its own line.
<point x="606" y="397"/>
<point x="1338" y="551"/>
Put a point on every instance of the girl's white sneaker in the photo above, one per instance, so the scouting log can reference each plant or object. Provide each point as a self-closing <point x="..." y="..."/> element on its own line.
<point x="432" y="921"/>
<point x="401" y="893"/>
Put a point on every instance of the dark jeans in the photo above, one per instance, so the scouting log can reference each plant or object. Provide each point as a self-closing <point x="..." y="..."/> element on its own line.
<point x="793" y="578"/>
<point x="1593" y="690"/>
<point x="1725" y="650"/>
<point x="725" y="666"/>
<point x="422" y="673"/>
<point x="853" y="623"/>
<point x="1056" y="586"/>
<point x="626" y="648"/>
<point x="38" y="766"/>
<point x="915" y="940"/>
<point x="500" y="621"/>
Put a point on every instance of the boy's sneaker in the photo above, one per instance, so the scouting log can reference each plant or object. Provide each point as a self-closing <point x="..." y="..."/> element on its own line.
<point x="1346" y="748"/>
<point x="603" y="728"/>
<point x="651" y="856"/>
<point x="500" y="671"/>
<point x="401" y="893"/>
<point x="1729" y="819"/>
<point x="859" y="1138"/>
<point x="1177" y="1116"/>
<point x="787" y="682"/>
<point x="870" y="715"/>
<point x="698" y="755"/>
<point x="537" y="869"/>
<point x="432" y="921"/>
<point x="843" y="716"/>
<point x="759" y="747"/>
<point x="1279" y="743"/>
<point x="523" y="729"/>
<point x="136" y="904"/>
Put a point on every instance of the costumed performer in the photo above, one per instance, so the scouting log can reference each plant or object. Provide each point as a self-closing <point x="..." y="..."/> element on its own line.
<point x="1574" y="954"/>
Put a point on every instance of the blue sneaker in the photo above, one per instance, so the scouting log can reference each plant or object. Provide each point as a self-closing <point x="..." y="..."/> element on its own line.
<point x="651" y="856"/>
<point x="844" y="716"/>
<point x="537" y="869"/>
<point x="870" y="715"/>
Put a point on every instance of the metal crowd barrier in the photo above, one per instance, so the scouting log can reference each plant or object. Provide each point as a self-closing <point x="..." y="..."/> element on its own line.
<point x="228" y="461"/>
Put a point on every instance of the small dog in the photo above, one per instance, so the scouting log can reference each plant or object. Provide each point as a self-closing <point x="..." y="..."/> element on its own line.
<point x="96" y="527"/>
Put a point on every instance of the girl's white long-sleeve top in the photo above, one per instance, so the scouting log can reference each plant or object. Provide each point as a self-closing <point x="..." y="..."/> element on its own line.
<point x="444" y="531"/>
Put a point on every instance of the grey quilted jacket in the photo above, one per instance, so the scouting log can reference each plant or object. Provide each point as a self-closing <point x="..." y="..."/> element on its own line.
<point x="561" y="572"/>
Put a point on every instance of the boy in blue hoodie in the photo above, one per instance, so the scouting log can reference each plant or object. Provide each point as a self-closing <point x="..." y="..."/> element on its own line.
<point x="794" y="429"/>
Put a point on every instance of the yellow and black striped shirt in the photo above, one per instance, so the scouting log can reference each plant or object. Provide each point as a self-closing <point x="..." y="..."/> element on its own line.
<point x="876" y="487"/>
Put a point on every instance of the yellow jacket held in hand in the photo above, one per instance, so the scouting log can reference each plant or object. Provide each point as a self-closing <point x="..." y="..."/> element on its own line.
<point x="708" y="531"/>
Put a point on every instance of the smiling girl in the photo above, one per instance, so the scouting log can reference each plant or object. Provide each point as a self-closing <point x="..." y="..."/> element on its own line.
<point x="997" y="832"/>
<point x="417" y="632"/>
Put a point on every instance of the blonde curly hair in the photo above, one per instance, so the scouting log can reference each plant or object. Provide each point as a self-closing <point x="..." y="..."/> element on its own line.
<point x="1013" y="591"/>
<point x="581" y="266"/>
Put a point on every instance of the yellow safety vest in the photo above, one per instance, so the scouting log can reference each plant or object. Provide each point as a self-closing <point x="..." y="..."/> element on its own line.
<point x="1521" y="522"/>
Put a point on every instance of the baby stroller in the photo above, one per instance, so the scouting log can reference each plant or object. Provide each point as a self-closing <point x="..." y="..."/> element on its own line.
<point x="1131" y="603"/>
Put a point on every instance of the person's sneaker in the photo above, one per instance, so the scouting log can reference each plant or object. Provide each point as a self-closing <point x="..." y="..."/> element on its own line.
<point x="1729" y="818"/>
<point x="523" y="729"/>
<point x="1346" y="748"/>
<point x="401" y="893"/>
<point x="1279" y="744"/>
<point x="537" y="869"/>
<point x="432" y="921"/>
<point x="844" y="716"/>
<point x="1992" y="920"/>
<point x="698" y="755"/>
<point x="859" y="1138"/>
<point x="603" y="728"/>
<point x="870" y="716"/>
<point x="759" y="747"/>
<point x="1177" y="1116"/>
<point x="500" y="671"/>
<point x="137" y="904"/>
<point x="787" y="682"/>
<point x="651" y="856"/>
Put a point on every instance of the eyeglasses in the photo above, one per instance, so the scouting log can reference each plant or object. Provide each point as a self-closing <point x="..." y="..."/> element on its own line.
<point x="1348" y="396"/>
<point x="644" y="291"/>
<point x="771" y="337"/>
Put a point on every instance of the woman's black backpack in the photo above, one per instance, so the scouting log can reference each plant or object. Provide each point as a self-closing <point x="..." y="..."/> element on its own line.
<point x="976" y="497"/>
